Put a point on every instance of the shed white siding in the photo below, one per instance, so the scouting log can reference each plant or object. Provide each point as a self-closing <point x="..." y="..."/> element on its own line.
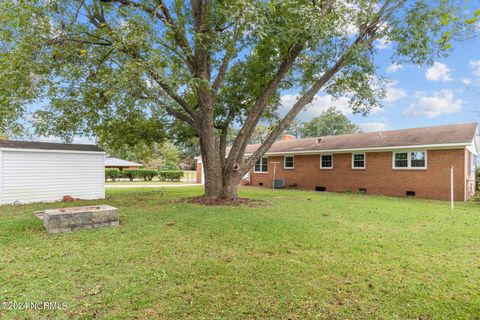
<point x="48" y="175"/>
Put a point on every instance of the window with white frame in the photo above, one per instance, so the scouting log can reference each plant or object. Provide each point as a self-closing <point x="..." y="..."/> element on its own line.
<point x="401" y="160"/>
<point x="410" y="160"/>
<point x="288" y="162"/>
<point x="261" y="165"/>
<point x="326" y="161"/>
<point x="358" y="160"/>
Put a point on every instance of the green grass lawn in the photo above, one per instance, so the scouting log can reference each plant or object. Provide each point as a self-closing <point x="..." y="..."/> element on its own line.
<point x="305" y="255"/>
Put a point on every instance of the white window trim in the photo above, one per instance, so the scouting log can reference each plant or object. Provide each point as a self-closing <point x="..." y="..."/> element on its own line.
<point x="409" y="160"/>
<point x="261" y="160"/>
<point x="288" y="168"/>
<point x="364" y="160"/>
<point x="326" y="168"/>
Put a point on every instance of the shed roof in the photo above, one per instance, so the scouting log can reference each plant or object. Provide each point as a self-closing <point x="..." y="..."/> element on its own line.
<point x="428" y="136"/>
<point x="116" y="162"/>
<point x="11" y="144"/>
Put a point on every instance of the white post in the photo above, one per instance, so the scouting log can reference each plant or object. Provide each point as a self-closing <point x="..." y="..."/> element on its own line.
<point x="274" y="171"/>
<point x="451" y="187"/>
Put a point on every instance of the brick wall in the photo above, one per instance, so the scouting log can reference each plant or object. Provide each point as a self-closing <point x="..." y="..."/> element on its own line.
<point x="378" y="177"/>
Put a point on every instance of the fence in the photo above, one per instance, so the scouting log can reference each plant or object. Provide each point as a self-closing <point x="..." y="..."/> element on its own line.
<point x="189" y="176"/>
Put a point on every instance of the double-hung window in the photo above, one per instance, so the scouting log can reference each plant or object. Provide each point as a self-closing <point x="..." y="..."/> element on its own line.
<point x="358" y="161"/>
<point x="326" y="161"/>
<point x="410" y="160"/>
<point x="288" y="162"/>
<point x="261" y="165"/>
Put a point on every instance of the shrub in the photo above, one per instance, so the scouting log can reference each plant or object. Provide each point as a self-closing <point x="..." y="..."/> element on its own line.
<point x="170" y="175"/>
<point x="478" y="179"/>
<point x="146" y="174"/>
<point x="131" y="174"/>
<point x="112" y="174"/>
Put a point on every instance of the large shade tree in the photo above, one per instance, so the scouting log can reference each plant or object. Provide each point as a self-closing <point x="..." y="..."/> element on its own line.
<point x="130" y="69"/>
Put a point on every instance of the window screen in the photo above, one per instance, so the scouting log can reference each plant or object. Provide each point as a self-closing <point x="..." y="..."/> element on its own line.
<point x="288" y="162"/>
<point x="359" y="160"/>
<point x="326" y="161"/>
<point x="401" y="160"/>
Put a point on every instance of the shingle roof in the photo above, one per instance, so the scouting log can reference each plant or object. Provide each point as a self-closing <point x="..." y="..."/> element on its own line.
<point x="439" y="135"/>
<point x="115" y="162"/>
<point x="10" y="144"/>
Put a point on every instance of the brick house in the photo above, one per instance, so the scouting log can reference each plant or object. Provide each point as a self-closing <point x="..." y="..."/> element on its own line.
<point x="410" y="162"/>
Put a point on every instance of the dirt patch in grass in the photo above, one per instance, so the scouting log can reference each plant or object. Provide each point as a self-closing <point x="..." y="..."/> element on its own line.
<point x="241" y="202"/>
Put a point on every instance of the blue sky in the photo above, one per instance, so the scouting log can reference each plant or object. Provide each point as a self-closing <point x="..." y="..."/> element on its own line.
<point x="418" y="96"/>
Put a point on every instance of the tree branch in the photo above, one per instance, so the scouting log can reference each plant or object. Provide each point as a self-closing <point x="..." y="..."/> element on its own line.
<point x="369" y="33"/>
<point x="242" y="138"/>
<point x="229" y="54"/>
<point x="101" y="24"/>
<point x="166" y="18"/>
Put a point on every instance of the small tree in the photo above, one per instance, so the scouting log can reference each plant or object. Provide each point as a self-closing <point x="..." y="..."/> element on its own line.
<point x="331" y="122"/>
<point x="170" y="157"/>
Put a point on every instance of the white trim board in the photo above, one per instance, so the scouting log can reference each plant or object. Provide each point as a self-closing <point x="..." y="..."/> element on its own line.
<point x="49" y="150"/>
<point x="374" y="149"/>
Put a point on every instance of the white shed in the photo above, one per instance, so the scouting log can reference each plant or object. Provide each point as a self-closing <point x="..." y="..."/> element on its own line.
<point x="43" y="172"/>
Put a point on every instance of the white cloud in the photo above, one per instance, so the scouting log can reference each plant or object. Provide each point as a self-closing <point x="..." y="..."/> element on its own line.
<point x="440" y="102"/>
<point x="393" y="93"/>
<point x="475" y="66"/>
<point x="394" y="67"/>
<point x="374" y="126"/>
<point x="318" y="105"/>
<point x="439" y="72"/>
<point x="382" y="43"/>
<point x="466" y="81"/>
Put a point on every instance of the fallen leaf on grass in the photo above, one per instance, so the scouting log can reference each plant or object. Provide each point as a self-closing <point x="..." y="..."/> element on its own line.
<point x="95" y="291"/>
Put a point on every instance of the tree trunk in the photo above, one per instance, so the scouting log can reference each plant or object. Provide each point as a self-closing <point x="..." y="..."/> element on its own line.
<point x="221" y="183"/>
<point x="230" y="187"/>
<point x="218" y="185"/>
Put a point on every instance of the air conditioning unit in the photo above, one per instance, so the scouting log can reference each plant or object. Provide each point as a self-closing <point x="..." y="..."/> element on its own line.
<point x="278" y="183"/>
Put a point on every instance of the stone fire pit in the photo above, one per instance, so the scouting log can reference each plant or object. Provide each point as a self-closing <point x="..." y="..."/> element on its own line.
<point x="76" y="218"/>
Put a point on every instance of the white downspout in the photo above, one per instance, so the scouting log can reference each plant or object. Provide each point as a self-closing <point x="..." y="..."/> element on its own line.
<point x="1" y="177"/>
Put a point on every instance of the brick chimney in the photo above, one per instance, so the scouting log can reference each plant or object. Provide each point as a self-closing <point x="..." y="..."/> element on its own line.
<point x="287" y="137"/>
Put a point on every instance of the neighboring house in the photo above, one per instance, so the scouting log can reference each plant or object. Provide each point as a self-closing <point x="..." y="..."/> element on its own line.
<point x="410" y="162"/>
<point x="39" y="171"/>
<point x="121" y="164"/>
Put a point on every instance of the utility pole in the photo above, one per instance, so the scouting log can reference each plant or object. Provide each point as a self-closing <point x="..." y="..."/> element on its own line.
<point x="451" y="187"/>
